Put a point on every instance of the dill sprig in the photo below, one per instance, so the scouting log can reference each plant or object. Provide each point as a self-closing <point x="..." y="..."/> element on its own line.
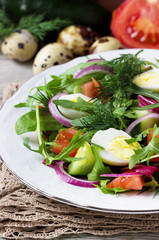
<point x="40" y="97"/>
<point x="35" y="24"/>
<point x="125" y="68"/>
<point x="101" y="119"/>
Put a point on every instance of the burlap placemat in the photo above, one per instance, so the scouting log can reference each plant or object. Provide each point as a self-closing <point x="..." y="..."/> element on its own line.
<point x="26" y="214"/>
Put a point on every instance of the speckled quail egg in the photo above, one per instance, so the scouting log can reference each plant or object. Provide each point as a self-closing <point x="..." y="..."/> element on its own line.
<point x="77" y="38"/>
<point x="50" y="55"/>
<point x="105" y="44"/>
<point x="20" y="46"/>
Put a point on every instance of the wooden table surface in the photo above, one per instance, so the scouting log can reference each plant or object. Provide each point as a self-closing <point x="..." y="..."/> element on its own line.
<point x="12" y="71"/>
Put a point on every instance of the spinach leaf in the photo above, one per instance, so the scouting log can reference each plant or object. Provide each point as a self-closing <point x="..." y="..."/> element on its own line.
<point x="27" y="122"/>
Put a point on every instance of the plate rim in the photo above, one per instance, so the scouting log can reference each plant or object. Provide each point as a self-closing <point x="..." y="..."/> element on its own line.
<point x="62" y="200"/>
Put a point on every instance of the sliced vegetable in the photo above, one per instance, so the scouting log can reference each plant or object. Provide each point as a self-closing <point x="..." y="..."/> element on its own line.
<point x="59" y="168"/>
<point x="122" y="174"/>
<point x="127" y="182"/>
<point x="63" y="139"/>
<point x="135" y="23"/>
<point x="149" y="137"/>
<point x="90" y="89"/>
<point x="50" y="165"/>
<point x="82" y="167"/>
<point x="139" y="120"/>
<point x="144" y="101"/>
<point x="138" y="170"/>
<point x="93" y="69"/>
<point x="55" y="112"/>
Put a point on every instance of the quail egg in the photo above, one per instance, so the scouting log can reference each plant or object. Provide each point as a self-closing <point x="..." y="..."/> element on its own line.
<point x="50" y="55"/>
<point x="77" y="38"/>
<point x="20" y="46"/>
<point x="116" y="151"/>
<point x="148" y="80"/>
<point x="105" y="44"/>
<point x="72" y="113"/>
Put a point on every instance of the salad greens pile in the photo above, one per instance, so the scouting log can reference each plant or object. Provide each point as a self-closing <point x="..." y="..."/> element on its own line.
<point x="115" y="105"/>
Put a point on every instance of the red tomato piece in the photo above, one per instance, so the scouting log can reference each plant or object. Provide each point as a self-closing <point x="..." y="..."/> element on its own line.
<point x="135" y="23"/>
<point x="149" y="137"/>
<point x="63" y="139"/>
<point x="128" y="183"/>
<point x="89" y="89"/>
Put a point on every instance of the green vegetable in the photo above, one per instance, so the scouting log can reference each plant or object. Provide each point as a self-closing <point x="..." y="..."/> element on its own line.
<point x="82" y="167"/>
<point x="76" y="142"/>
<point x="146" y="153"/>
<point x="147" y="123"/>
<point x="106" y="190"/>
<point x="35" y="24"/>
<point x="86" y="13"/>
<point x="99" y="168"/>
<point x="28" y="123"/>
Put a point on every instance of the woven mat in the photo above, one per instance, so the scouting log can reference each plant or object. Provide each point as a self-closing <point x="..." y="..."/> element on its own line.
<point x="26" y="214"/>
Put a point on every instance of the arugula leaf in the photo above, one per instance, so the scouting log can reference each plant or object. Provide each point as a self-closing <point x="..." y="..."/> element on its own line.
<point x="26" y="144"/>
<point x="134" y="89"/>
<point x="98" y="168"/>
<point x="106" y="190"/>
<point x="28" y="123"/>
<point x="139" y="137"/>
<point x="67" y="83"/>
<point x="145" y="154"/>
<point x="80" y="104"/>
<point x="76" y="142"/>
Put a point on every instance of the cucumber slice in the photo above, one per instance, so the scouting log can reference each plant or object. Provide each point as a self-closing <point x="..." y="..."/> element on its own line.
<point x="147" y="123"/>
<point x="77" y="89"/>
<point x="85" y="166"/>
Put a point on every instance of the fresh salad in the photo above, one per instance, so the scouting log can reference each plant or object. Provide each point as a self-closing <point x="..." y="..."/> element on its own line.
<point x="97" y="124"/>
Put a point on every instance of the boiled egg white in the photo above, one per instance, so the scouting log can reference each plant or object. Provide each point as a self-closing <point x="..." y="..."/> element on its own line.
<point x="71" y="113"/>
<point x="148" y="80"/>
<point x="116" y="151"/>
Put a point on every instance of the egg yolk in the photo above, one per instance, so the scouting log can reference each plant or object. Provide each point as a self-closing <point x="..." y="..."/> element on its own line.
<point x="122" y="150"/>
<point x="148" y="80"/>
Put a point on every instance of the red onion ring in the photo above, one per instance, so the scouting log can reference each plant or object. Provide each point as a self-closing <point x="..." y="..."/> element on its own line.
<point x="59" y="168"/>
<point x="122" y="174"/>
<point x="92" y="69"/>
<point x="55" y="112"/>
<point x="137" y="121"/>
<point x="144" y="170"/>
<point x="50" y="165"/>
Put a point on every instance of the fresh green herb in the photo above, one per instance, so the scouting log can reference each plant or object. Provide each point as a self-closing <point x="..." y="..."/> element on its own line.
<point x="146" y="153"/>
<point x="80" y="104"/>
<point x="76" y="142"/>
<point x="102" y="119"/>
<point x="28" y="123"/>
<point x="125" y="68"/>
<point x="139" y="137"/>
<point x="67" y="82"/>
<point x="103" y="187"/>
<point x="35" y="24"/>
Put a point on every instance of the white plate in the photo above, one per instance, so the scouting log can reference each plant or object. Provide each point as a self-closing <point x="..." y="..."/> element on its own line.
<point x="28" y="167"/>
